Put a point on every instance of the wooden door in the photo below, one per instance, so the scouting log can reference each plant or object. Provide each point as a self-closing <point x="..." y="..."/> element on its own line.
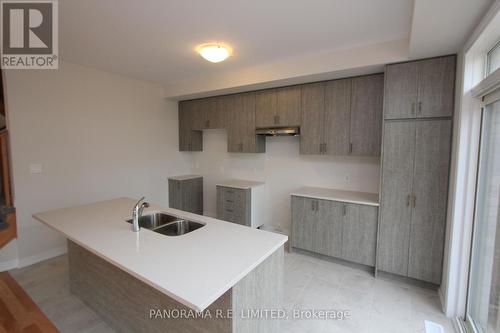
<point x="327" y="237"/>
<point x="265" y="108"/>
<point x="436" y="86"/>
<point x="401" y="90"/>
<point x="430" y="190"/>
<point x="313" y="117"/>
<point x="395" y="199"/>
<point x="359" y="234"/>
<point x="366" y="115"/>
<point x="288" y="106"/>
<point x="304" y="220"/>
<point x="337" y="116"/>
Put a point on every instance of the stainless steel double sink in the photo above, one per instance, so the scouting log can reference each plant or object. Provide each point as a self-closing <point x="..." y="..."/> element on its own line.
<point x="166" y="224"/>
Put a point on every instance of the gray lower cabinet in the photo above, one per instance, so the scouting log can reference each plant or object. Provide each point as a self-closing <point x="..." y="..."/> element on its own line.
<point x="343" y="230"/>
<point x="234" y="205"/>
<point x="359" y="234"/>
<point x="414" y="187"/>
<point x="186" y="193"/>
<point x="420" y="89"/>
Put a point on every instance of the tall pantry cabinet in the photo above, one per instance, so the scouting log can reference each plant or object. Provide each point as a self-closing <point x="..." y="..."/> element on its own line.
<point x="418" y="108"/>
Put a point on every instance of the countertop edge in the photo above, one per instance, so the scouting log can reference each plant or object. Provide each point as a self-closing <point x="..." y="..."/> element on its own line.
<point x="329" y="198"/>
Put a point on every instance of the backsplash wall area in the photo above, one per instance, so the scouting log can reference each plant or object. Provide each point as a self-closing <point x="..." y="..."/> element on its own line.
<point x="282" y="169"/>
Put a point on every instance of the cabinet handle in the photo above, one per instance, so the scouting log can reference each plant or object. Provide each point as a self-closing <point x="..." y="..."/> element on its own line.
<point x="229" y="210"/>
<point x="414" y="201"/>
<point x="419" y="107"/>
<point x="312" y="206"/>
<point x="207" y="123"/>
<point x="277" y="119"/>
<point x="230" y="201"/>
<point x="324" y="148"/>
<point x="350" y="148"/>
<point x="408" y="200"/>
<point x="317" y="206"/>
<point x="241" y="146"/>
<point x="413" y="108"/>
<point x="344" y="210"/>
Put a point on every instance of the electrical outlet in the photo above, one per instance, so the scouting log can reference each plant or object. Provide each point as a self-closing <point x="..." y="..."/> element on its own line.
<point x="35" y="169"/>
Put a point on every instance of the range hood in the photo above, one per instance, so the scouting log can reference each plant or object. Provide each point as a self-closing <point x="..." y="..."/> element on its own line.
<point x="278" y="131"/>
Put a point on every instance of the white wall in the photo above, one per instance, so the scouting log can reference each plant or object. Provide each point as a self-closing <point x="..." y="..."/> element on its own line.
<point x="283" y="169"/>
<point x="97" y="136"/>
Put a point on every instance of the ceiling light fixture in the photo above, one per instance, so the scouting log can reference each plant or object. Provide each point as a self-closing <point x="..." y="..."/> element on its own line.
<point x="214" y="52"/>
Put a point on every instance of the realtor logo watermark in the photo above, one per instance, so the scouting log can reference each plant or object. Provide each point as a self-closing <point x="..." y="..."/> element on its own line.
<point x="29" y="35"/>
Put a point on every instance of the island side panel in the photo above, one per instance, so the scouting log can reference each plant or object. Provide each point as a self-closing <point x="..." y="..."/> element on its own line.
<point x="124" y="302"/>
<point x="261" y="289"/>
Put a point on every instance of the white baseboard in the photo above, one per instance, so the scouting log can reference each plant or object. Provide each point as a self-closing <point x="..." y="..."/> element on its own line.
<point x="42" y="256"/>
<point x="8" y="265"/>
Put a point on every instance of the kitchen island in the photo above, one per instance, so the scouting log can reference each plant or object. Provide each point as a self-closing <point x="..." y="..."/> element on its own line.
<point x="203" y="281"/>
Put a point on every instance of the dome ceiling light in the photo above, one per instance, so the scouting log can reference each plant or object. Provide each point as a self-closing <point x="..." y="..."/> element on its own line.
<point x="214" y="52"/>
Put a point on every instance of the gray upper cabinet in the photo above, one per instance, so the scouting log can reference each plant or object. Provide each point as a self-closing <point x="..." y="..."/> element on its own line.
<point x="215" y="112"/>
<point x="288" y="106"/>
<point x="420" y="89"/>
<point x="278" y="107"/>
<point x="342" y="117"/>
<point x="337" y="116"/>
<point x="186" y="194"/>
<point x="430" y="190"/>
<point x="401" y="90"/>
<point x="359" y="233"/>
<point x="313" y="118"/>
<point x="396" y="191"/>
<point x="436" y="87"/>
<point x="366" y="115"/>
<point x="189" y="139"/>
<point x="240" y="124"/>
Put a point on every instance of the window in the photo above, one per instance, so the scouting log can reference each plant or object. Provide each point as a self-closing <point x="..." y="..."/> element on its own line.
<point x="484" y="285"/>
<point x="493" y="59"/>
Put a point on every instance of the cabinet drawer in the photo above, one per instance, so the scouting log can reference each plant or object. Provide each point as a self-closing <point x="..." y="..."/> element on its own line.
<point x="233" y="205"/>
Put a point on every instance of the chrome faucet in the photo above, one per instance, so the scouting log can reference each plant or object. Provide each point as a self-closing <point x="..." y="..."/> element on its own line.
<point x="137" y="213"/>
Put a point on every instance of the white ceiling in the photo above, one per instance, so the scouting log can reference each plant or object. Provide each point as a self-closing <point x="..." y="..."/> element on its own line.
<point x="154" y="40"/>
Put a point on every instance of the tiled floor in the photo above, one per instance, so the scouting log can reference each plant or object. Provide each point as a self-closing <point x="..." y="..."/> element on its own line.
<point x="376" y="305"/>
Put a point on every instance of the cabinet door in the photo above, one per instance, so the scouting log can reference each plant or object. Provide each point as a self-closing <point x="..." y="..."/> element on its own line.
<point x="359" y="234"/>
<point x="337" y="116"/>
<point x="198" y="113"/>
<point x="192" y="195"/>
<point x="214" y="112"/>
<point x="288" y="106"/>
<point x="174" y="194"/>
<point x="266" y="103"/>
<point x="304" y="219"/>
<point x="430" y="190"/>
<point x="240" y="121"/>
<point x="327" y="237"/>
<point x="366" y="115"/>
<point x="436" y="85"/>
<point x="189" y="139"/>
<point x="401" y="90"/>
<point x="313" y="112"/>
<point x="396" y="189"/>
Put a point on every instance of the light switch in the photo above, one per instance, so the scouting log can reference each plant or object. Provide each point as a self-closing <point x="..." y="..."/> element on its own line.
<point x="35" y="169"/>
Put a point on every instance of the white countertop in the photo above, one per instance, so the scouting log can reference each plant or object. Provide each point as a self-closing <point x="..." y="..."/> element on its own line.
<point x="184" y="177"/>
<point x="362" y="198"/>
<point x="195" y="269"/>
<point x="240" y="183"/>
